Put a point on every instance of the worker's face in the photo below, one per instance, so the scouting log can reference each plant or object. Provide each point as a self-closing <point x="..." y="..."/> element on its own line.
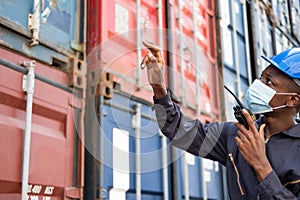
<point x="278" y="81"/>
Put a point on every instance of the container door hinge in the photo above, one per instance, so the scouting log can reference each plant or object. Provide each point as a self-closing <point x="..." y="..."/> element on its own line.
<point x="74" y="193"/>
<point x="34" y="23"/>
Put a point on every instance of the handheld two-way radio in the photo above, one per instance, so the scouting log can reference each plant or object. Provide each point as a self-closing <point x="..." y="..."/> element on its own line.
<point x="238" y="111"/>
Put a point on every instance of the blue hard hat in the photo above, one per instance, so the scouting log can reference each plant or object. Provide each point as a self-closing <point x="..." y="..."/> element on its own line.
<point x="288" y="62"/>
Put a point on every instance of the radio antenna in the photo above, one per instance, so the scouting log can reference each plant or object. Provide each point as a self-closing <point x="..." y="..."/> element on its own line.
<point x="238" y="101"/>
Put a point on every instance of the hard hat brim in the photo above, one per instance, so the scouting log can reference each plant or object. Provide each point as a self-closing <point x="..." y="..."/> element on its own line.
<point x="273" y="63"/>
<point x="297" y="81"/>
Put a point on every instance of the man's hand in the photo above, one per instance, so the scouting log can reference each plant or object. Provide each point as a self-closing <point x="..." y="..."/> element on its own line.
<point x="251" y="144"/>
<point x="155" y="70"/>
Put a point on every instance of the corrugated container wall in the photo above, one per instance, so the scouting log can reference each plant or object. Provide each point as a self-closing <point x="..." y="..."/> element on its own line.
<point x="235" y="48"/>
<point x="128" y="146"/>
<point x="55" y="25"/>
<point x="194" y="62"/>
<point x="115" y="46"/>
<point x="48" y="35"/>
<point x="276" y="24"/>
<point x="196" y="82"/>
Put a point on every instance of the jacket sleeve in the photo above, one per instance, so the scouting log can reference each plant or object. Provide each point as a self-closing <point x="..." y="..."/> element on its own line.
<point x="271" y="188"/>
<point x="206" y="141"/>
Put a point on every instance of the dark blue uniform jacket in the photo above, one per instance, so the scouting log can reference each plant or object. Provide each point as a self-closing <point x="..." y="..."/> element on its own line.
<point x="215" y="141"/>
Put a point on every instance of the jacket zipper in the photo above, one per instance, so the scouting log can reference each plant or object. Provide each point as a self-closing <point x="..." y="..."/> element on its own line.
<point x="293" y="182"/>
<point x="237" y="174"/>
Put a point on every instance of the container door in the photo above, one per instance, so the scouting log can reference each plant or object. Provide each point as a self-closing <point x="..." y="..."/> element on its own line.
<point x="55" y="161"/>
<point x="58" y="19"/>
<point x="121" y="159"/>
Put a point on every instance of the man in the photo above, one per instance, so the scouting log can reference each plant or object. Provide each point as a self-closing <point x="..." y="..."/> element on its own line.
<point x="261" y="164"/>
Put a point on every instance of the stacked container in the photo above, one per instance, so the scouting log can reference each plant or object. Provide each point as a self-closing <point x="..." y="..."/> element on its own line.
<point x="76" y="116"/>
<point x="236" y="53"/>
<point x="130" y="158"/>
<point x="277" y="28"/>
<point x="42" y="61"/>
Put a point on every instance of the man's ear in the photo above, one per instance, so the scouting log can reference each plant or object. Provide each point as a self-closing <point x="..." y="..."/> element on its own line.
<point x="294" y="101"/>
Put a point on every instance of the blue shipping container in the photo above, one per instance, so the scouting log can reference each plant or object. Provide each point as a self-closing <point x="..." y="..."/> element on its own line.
<point x="50" y="31"/>
<point x="136" y="160"/>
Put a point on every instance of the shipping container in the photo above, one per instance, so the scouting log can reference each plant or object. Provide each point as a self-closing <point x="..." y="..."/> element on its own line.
<point x="235" y="48"/>
<point x="49" y="158"/>
<point x="116" y="46"/>
<point x="116" y="150"/>
<point x="276" y="28"/>
<point x="51" y="31"/>
<point x="134" y="158"/>
<point x="198" y="178"/>
<point x="193" y="62"/>
<point x="134" y="150"/>
<point x="50" y="155"/>
<point x="117" y="86"/>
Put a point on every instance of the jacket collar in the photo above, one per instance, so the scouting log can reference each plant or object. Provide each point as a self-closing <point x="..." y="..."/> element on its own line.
<point x="293" y="131"/>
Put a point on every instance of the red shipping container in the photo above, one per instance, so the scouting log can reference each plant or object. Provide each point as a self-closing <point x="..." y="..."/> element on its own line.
<point x="54" y="157"/>
<point x="195" y="69"/>
<point x="112" y="40"/>
<point x="113" y="28"/>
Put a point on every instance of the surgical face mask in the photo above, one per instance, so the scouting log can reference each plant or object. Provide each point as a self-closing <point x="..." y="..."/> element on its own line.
<point x="259" y="95"/>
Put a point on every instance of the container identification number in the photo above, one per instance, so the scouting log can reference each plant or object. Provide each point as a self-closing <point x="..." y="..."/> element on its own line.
<point x="34" y="192"/>
<point x="33" y="197"/>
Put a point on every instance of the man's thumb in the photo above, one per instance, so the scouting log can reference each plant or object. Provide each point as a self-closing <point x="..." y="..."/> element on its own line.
<point x="262" y="130"/>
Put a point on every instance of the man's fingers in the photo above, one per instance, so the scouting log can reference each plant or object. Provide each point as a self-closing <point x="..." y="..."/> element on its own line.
<point x="262" y="130"/>
<point x="242" y="136"/>
<point x="151" y="57"/>
<point x="247" y="116"/>
<point x="242" y="132"/>
<point x="148" y="60"/>
<point x="144" y="61"/>
<point x="251" y="123"/>
<point x="159" y="57"/>
<point x="238" y="141"/>
<point x="155" y="50"/>
<point x="151" y="47"/>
